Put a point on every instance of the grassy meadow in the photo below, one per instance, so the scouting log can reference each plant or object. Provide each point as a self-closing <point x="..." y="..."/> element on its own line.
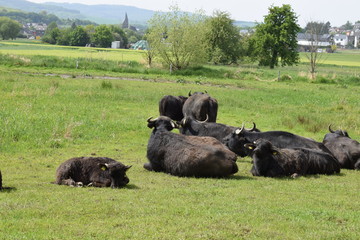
<point x="49" y="114"/>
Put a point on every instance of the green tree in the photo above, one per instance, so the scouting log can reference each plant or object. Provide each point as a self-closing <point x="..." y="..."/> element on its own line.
<point x="9" y="28"/>
<point x="223" y="38"/>
<point x="103" y="36"/>
<point x="348" y="26"/>
<point x="90" y="29"/>
<point x="132" y="36"/>
<point x="275" y="39"/>
<point x="64" y="37"/>
<point x="52" y="33"/>
<point x="79" y="37"/>
<point x="119" y="35"/>
<point x="178" y="38"/>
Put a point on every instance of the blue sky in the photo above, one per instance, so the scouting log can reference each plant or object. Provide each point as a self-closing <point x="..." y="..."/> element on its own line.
<point x="337" y="13"/>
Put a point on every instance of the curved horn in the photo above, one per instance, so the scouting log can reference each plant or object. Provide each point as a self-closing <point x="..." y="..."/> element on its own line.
<point x="207" y="118"/>
<point x="189" y="93"/>
<point x="174" y="124"/>
<point x="206" y="92"/>
<point x="149" y="119"/>
<point x="253" y="128"/>
<point x="238" y="131"/>
<point x="332" y="131"/>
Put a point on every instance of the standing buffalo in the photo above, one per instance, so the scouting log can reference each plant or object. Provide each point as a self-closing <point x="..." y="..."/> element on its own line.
<point x="270" y="161"/>
<point x="182" y="155"/>
<point x="171" y="106"/>
<point x="193" y="127"/>
<point x="345" y="149"/>
<point x="235" y="141"/>
<point x="92" y="171"/>
<point x="201" y="106"/>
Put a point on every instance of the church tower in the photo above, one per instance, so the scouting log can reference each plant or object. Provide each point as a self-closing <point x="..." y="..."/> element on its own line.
<point x="126" y="22"/>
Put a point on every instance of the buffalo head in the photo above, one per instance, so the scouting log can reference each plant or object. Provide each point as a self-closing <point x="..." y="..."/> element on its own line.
<point x="339" y="132"/>
<point x="236" y="140"/>
<point x="162" y="122"/>
<point x="117" y="173"/>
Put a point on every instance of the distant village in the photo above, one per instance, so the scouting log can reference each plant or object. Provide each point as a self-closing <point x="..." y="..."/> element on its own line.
<point x="336" y="36"/>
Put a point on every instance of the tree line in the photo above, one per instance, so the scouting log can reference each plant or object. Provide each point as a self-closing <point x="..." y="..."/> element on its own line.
<point x="179" y="40"/>
<point x="100" y="36"/>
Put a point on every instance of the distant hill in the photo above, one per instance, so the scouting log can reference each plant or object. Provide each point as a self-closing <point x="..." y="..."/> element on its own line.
<point x="109" y="14"/>
<point x="102" y="14"/>
<point x="37" y="7"/>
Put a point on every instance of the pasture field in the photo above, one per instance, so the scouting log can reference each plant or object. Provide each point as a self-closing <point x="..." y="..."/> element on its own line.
<point x="28" y="48"/>
<point x="340" y="58"/>
<point x="46" y="119"/>
<point x="34" y="57"/>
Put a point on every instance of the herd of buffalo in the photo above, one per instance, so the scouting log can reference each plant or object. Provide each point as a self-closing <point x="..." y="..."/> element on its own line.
<point x="204" y="148"/>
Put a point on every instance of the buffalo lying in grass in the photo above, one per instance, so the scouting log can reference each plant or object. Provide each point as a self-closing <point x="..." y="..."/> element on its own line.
<point x="92" y="171"/>
<point x="182" y="155"/>
<point x="345" y="149"/>
<point x="270" y="161"/>
<point x="236" y="140"/>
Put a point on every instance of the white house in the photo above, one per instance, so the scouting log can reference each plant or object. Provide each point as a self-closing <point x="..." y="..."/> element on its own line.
<point x="341" y="39"/>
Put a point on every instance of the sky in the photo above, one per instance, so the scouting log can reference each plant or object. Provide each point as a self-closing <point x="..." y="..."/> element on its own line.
<point x="337" y="13"/>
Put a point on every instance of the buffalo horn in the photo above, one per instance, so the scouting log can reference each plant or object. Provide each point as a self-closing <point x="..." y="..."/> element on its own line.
<point x="149" y="119"/>
<point x="238" y="131"/>
<point x="207" y="118"/>
<point x="174" y="124"/>
<point x="253" y="128"/>
<point x="189" y="93"/>
<point x="330" y="129"/>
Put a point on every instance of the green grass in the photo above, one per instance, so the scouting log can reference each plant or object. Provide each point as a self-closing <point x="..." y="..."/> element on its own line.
<point x="46" y="119"/>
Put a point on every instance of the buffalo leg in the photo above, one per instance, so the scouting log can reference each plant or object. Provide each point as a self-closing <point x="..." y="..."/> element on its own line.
<point x="148" y="166"/>
<point x="69" y="182"/>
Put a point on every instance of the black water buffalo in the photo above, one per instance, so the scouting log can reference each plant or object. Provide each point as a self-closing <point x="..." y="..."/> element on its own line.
<point x="270" y="161"/>
<point x="92" y="171"/>
<point x="192" y="127"/>
<point x="235" y="141"/>
<point x="171" y="106"/>
<point x="182" y="155"/>
<point x="345" y="149"/>
<point x="201" y="106"/>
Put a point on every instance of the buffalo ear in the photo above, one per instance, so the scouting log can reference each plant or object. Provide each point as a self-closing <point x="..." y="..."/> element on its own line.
<point x="250" y="146"/>
<point x="103" y="166"/>
<point x="127" y="167"/>
<point x="275" y="152"/>
<point x="151" y="122"/>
